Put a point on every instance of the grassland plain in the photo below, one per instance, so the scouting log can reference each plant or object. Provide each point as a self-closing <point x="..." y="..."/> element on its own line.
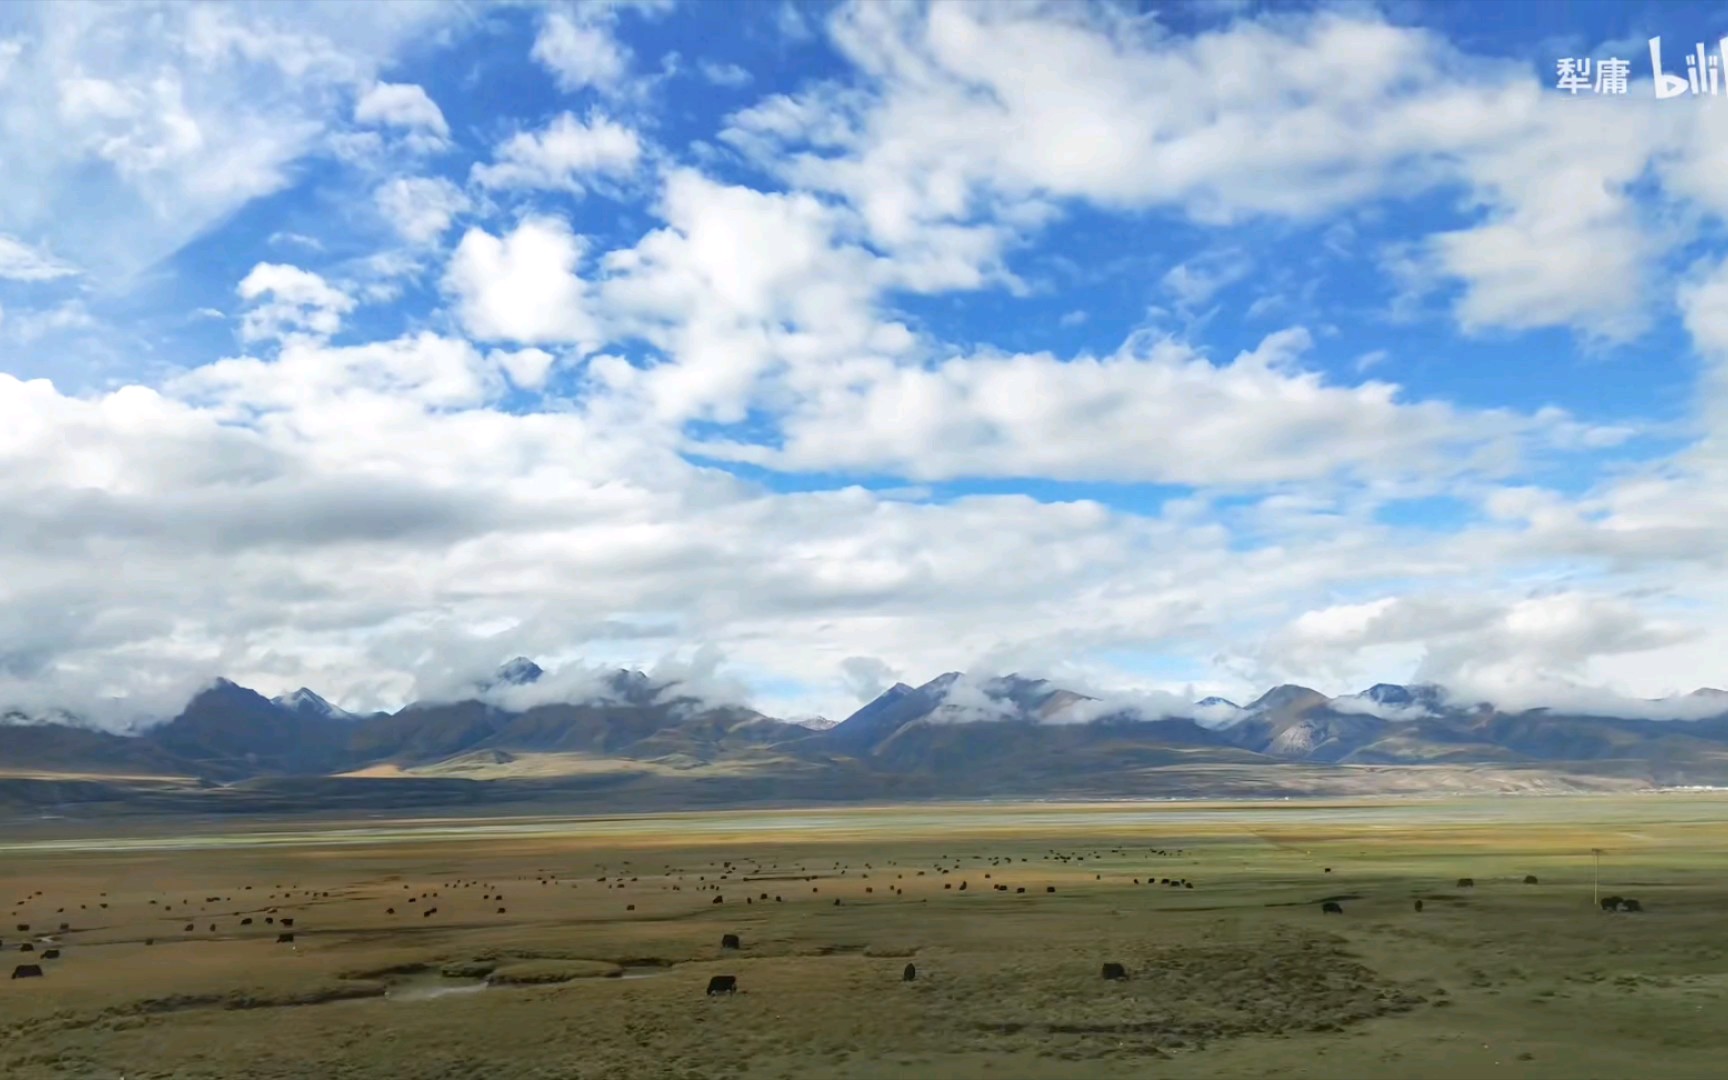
<point x="581" y="948"/>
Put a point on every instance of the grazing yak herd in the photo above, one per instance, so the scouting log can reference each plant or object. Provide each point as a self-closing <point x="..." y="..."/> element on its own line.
<point x="51" y="941"/>
<point x="268" y="907"/>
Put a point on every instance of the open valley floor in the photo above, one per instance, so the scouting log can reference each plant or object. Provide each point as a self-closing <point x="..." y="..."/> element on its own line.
<point x="542" y="947"/>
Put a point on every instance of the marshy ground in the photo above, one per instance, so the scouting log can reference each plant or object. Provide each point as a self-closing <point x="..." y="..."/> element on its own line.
<point x="582" y="948"/>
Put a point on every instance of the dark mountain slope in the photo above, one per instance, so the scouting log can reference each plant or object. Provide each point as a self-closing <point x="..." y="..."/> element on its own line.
<point x="228" y="731"/>
<point x="62" y="748"/>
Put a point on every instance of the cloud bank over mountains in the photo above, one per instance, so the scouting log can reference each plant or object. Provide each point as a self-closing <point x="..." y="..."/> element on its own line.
<point x="356" y="347"/>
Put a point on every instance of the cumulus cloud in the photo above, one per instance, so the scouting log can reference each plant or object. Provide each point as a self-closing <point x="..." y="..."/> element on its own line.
<point x="402" y="105"/>
<point x="1365" y="706"/>
<point x="523" y="286"/>
<point x="974" y="112"/>
<point x="550" y="443"/>
<point x="420" y="208"/>
<point x="967" y="700"/>
<point x="288" y="300"/>
<point x="580" y="52"/>
<point x="528" y="368"/>
<point x="1517" y="652"/>
<point x="422" y="370"/>
<point x="356" y="506"/>
<point x="723" y="74"/>
<point x="698" y="679"/>
<point x="563" y="155"/>
<point x="866" y="677"/>
<point x="1154" y="412"/>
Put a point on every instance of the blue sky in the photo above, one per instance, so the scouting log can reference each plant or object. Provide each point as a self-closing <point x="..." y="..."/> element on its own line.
<point x="804" y="347"/>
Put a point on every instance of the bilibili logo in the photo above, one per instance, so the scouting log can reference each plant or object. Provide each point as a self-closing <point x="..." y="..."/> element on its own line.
<point x="1612" y="75"/>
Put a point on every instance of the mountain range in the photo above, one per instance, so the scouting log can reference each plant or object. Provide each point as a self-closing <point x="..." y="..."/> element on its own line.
<point x="953" y="736"/>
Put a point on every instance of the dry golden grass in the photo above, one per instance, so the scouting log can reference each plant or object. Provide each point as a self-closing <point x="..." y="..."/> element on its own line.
<point x="1241" y="975"/>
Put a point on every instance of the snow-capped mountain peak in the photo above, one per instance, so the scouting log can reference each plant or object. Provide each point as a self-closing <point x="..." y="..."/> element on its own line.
<point x="305" y="702"/>
<point x="1217" y="712"/>
<point x="519" y="671"/>
<point x="1390" y="701"/>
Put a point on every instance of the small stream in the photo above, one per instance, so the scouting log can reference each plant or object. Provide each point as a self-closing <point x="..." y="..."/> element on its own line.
<point x="432" y="986"/>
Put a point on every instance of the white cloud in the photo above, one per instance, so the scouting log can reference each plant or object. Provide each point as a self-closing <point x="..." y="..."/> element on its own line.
<point x="1563" y="244"/>
<point x="1703" y="302"/>
<point x="1371" y="359"/>
<point x="21" y="262"/>
<point x="288" y="238"/>
<point x="29" y="325"/>
<point x="403" y="105"/>
<point x="131" y="129"/>
<point x="971" y="113"/>
<point x="358" y="514"/>
<point x="423" y="370"/>
<point x="1194" y="283"/>
<point x="866" y="677"/>
<point x="728" y="75"/>
<point x="288" y="300"/>
<point x="524" y="286"/>
<point x="1544" y="649"/>
<point x="580" y="53"/>
<point x="358" y="511"/>
<point x="792" y="23"/>
<point x="1363" y="706"/>
<point x="731" y="312"/>
<point x="527" y="368"/>
<point x="562" y="155"/>
<point x="1156" y="412"/>
<point x="421" y="209"/>
<point x="966" y="701"/>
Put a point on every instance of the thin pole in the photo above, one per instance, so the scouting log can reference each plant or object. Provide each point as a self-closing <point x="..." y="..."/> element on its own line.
<point x="1596" y="885"/>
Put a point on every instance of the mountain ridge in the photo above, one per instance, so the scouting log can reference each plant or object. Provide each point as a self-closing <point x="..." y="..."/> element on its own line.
<point x="954" y="731"/>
